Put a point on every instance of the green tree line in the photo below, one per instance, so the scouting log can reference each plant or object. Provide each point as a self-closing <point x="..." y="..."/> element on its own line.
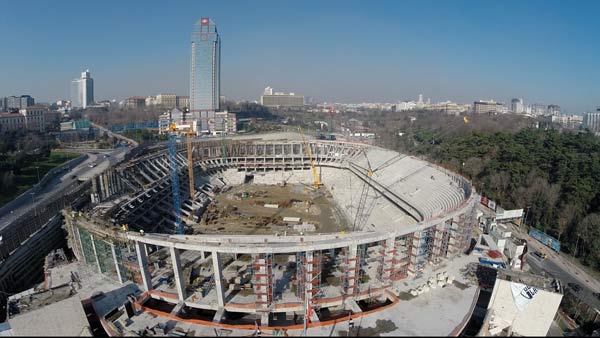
<point x="554" y="174"/>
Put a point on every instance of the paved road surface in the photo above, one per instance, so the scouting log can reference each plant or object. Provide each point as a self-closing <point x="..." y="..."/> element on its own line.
<point x="82" y="172"/>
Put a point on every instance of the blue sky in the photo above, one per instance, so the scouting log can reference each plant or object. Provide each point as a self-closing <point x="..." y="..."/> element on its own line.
<point x="348" y="51"/>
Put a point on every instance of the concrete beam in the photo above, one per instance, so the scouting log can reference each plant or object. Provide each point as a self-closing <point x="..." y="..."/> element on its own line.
<point x="177" y="271"/>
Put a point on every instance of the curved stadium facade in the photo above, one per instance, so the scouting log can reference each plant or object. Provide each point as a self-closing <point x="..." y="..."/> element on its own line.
<point x="394" y="214"/>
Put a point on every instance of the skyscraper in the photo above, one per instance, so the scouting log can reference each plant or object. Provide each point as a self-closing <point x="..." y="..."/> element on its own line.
<point x="205" y="67"/>
<point x="516" y="105"/>
<point x="82" y="90"/>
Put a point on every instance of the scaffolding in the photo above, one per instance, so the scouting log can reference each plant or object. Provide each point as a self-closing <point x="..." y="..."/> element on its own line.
<point x="401" y="258"/>
<point x="262" y="268"/>
<point x="418" y="253"/>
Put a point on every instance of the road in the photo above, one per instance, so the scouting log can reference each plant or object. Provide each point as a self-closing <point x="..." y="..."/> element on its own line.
<point x="553" y="269"/>
<point x="81" y="172"/>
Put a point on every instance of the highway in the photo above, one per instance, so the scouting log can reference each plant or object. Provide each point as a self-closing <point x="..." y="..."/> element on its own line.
<point x="81" y="172"/>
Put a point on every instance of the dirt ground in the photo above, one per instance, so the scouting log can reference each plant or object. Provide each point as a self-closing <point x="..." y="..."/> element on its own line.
<point x="241" y="210"/>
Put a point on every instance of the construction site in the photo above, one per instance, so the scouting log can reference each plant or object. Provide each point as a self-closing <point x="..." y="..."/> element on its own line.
<point x="271" y="232"/>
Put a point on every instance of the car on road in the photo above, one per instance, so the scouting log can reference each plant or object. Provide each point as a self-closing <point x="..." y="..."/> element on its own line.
<point x="92" y="165"/>
<point x="576" y="287"/>
<point x="73" y="177"/>
<point x="541" y="254"/>
<point x="105" y="155"/>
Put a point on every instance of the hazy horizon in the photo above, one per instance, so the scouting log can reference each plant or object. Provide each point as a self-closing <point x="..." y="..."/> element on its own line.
<point x="355" y="51"/>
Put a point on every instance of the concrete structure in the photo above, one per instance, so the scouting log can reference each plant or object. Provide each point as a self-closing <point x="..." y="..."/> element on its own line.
<point x="205" y="67"/>
<point x="521" y="304"/>
<point x="489" y="107"/>
<point x="414" y="215"/>
<point x="82" y="91"/>
<point x="279" y="99"/>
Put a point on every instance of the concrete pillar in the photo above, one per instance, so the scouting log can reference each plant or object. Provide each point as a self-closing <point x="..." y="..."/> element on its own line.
<point x="177" y="271"/>
<point x="95" y="253"/>
<point x="218" y="268"/>
<point x="114" y="254"/>
<point x="202" y="256"/>
<point x="80" y="254"/>
<point x="142" y="256"/>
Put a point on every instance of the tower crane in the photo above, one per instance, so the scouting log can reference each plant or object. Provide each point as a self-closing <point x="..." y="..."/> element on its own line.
<point x="312" y="164"/>
<point x="362" y="214"/>
<point x="174" y="130"/>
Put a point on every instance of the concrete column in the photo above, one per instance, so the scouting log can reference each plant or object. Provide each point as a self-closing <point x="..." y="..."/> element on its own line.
<point x="114" y="254"/>
<point x="351" y="266"/>
<point x="95" y="253"/>
<point x="142" y="256"/>
<point x="202" y="255"/>
<point x="217" y="268"/>
<point x="177" y="271"/>
<point x="80" y="253"/>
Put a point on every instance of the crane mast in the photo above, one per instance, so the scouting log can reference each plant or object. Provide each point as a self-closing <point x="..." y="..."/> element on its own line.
<point x="312" y="164"/>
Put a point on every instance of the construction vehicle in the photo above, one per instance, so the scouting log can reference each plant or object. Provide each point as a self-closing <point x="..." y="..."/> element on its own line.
<point x="317" y="182"/>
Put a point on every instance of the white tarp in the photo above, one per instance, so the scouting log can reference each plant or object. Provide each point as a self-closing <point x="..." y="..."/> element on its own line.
<point x="509" y="214"/>
<point x="522" y="294"/>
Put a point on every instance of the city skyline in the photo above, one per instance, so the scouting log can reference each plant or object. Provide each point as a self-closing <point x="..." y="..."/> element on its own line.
<point x="543" y="51"/>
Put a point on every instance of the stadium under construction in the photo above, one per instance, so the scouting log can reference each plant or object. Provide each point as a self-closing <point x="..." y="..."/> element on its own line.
<point x="274" y="231"/>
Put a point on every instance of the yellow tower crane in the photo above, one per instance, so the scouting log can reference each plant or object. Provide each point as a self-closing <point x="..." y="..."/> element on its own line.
<point x="312" y="164"/>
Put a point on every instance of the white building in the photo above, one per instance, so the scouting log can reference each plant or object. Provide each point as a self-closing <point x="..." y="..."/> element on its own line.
<point x="516" y="106"/>
<point x="82" y="90"/>
<point x="591" y="122"/>
<point x="522" y="304"/>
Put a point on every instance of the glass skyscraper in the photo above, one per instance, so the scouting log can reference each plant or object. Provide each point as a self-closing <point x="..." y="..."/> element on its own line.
<point x="205" y="70"/>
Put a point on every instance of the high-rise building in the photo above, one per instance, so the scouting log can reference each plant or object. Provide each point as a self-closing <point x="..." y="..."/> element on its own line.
<point x="13" y="103"/>
<point x="82" y="90"/>
<point x="205" y="67"/>
<point x="516" y="106"/>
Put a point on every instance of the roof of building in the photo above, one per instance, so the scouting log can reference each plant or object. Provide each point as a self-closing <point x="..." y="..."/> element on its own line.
<point x="540" y="282"/>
